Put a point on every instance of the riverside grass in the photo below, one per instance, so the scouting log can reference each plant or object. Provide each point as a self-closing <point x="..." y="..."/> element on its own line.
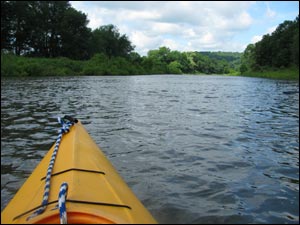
<point x="291" y="73"/>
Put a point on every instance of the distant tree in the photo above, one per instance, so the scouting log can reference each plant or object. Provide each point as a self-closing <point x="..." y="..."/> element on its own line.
<point x="295" y="48"/>
<point x="52" y="13"/>
<point x="16" y="29"/>
<point x="6" y="25"/>
<point x="263" y="51"/>
<point x="248" y="59"/>
<point x="75" y="35"/>
<point x="216" y="62"/>
<point x="174" y="68"/>
<point x="107" y="39"/>
<point x="276" y="50"/>
<point x="44" y="29"/>
<point x="184" y="61"/>
<point x="295" y="43"/>
<point x="162" y="54"/>
<point x="135" y="58"/>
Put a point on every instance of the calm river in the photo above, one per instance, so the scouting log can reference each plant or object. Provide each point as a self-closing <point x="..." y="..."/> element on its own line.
<point x="194" y="149"/>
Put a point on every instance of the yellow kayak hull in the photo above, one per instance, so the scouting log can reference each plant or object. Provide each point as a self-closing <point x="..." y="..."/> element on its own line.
<point x="96" y="192"/>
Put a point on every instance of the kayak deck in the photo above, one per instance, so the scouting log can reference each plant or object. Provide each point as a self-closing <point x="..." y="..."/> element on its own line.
<point x="96" y="192"/>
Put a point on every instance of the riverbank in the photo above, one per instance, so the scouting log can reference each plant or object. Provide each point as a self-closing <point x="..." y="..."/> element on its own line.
<point x="16" y="66"/>
<point x="101" y="64"/>
<point x="291" y="73"/>
<point x="19" y="66"/>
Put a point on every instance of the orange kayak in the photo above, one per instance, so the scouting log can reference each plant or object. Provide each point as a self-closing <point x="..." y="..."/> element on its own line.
<point x="95" y="191"/>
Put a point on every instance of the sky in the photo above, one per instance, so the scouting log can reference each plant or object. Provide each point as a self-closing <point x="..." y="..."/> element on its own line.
<point x="190" y="25"/>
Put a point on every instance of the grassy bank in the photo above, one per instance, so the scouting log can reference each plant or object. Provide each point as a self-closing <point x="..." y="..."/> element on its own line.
<point x="18" y="66"/>
<point x="291" y="73"/>
<point x="100" y="64"/>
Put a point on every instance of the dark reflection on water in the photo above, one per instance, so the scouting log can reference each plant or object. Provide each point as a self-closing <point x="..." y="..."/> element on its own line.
<point x="195" y="149"/>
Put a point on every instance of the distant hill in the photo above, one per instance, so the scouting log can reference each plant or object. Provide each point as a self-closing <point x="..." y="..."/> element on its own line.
<point x="227" y="56"/>
<point x="232" y="58"/>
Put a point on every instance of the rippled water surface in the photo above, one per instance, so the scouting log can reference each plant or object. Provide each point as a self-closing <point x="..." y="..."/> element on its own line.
<point x="194" y="149"/>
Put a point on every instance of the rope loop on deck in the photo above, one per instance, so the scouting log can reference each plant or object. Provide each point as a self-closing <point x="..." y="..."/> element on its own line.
<point x="66" y="124"/>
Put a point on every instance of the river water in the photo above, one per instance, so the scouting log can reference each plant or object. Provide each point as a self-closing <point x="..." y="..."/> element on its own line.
<point x="194" y="149"/>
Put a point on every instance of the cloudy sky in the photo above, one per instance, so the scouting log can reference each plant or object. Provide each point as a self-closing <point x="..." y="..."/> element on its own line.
<point x="190" y="25"/>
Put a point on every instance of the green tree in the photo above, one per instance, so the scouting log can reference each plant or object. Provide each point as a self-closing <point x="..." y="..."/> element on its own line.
<point x="107" y="39"/>
<point x="44" y="29"/>
<point x="16" y="32"/>
<point x="46" y="19"/>
<point x="162" y="54"/>
<point x="280" y="48"/>
<point x="6" y="25"/>
<point x="248" y="59"/>
<point x="295" y="43"/>
<point x="174" y="68"/>
<point x="74" y="35"/>
<point x="263" y="51"/>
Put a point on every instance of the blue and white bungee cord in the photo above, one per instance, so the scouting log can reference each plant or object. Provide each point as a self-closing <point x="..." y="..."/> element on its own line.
<point x="62" y="203"/>
<point x="64" y="129"/>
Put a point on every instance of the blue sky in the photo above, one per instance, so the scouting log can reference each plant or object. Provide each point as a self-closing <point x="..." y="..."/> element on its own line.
<point x="190" y="25"/>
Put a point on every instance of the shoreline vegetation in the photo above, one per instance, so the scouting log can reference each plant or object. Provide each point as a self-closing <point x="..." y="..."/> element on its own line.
<point x="63" y="45"/>
<point x="19" y="66"/>
<point x="161" y="61"/>
<point x="291" y="73"/>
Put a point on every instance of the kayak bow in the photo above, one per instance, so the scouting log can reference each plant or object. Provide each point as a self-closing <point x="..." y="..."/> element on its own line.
<point x="95" y="192"/>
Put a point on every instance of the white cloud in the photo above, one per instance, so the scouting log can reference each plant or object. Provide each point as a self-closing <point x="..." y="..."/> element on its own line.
<point x="144" y="42"/>
<point x="269" y="12"/>
<point x="179" y="25"/>
<point x="207" y="38"/>
<point x="189" y="33"/>
<point x="256" y="38"/>
<point x="162" y="28"/>
<point x="132" y="15"/>
<point x="170" y="44"/>
<point x="271" y="29"/>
